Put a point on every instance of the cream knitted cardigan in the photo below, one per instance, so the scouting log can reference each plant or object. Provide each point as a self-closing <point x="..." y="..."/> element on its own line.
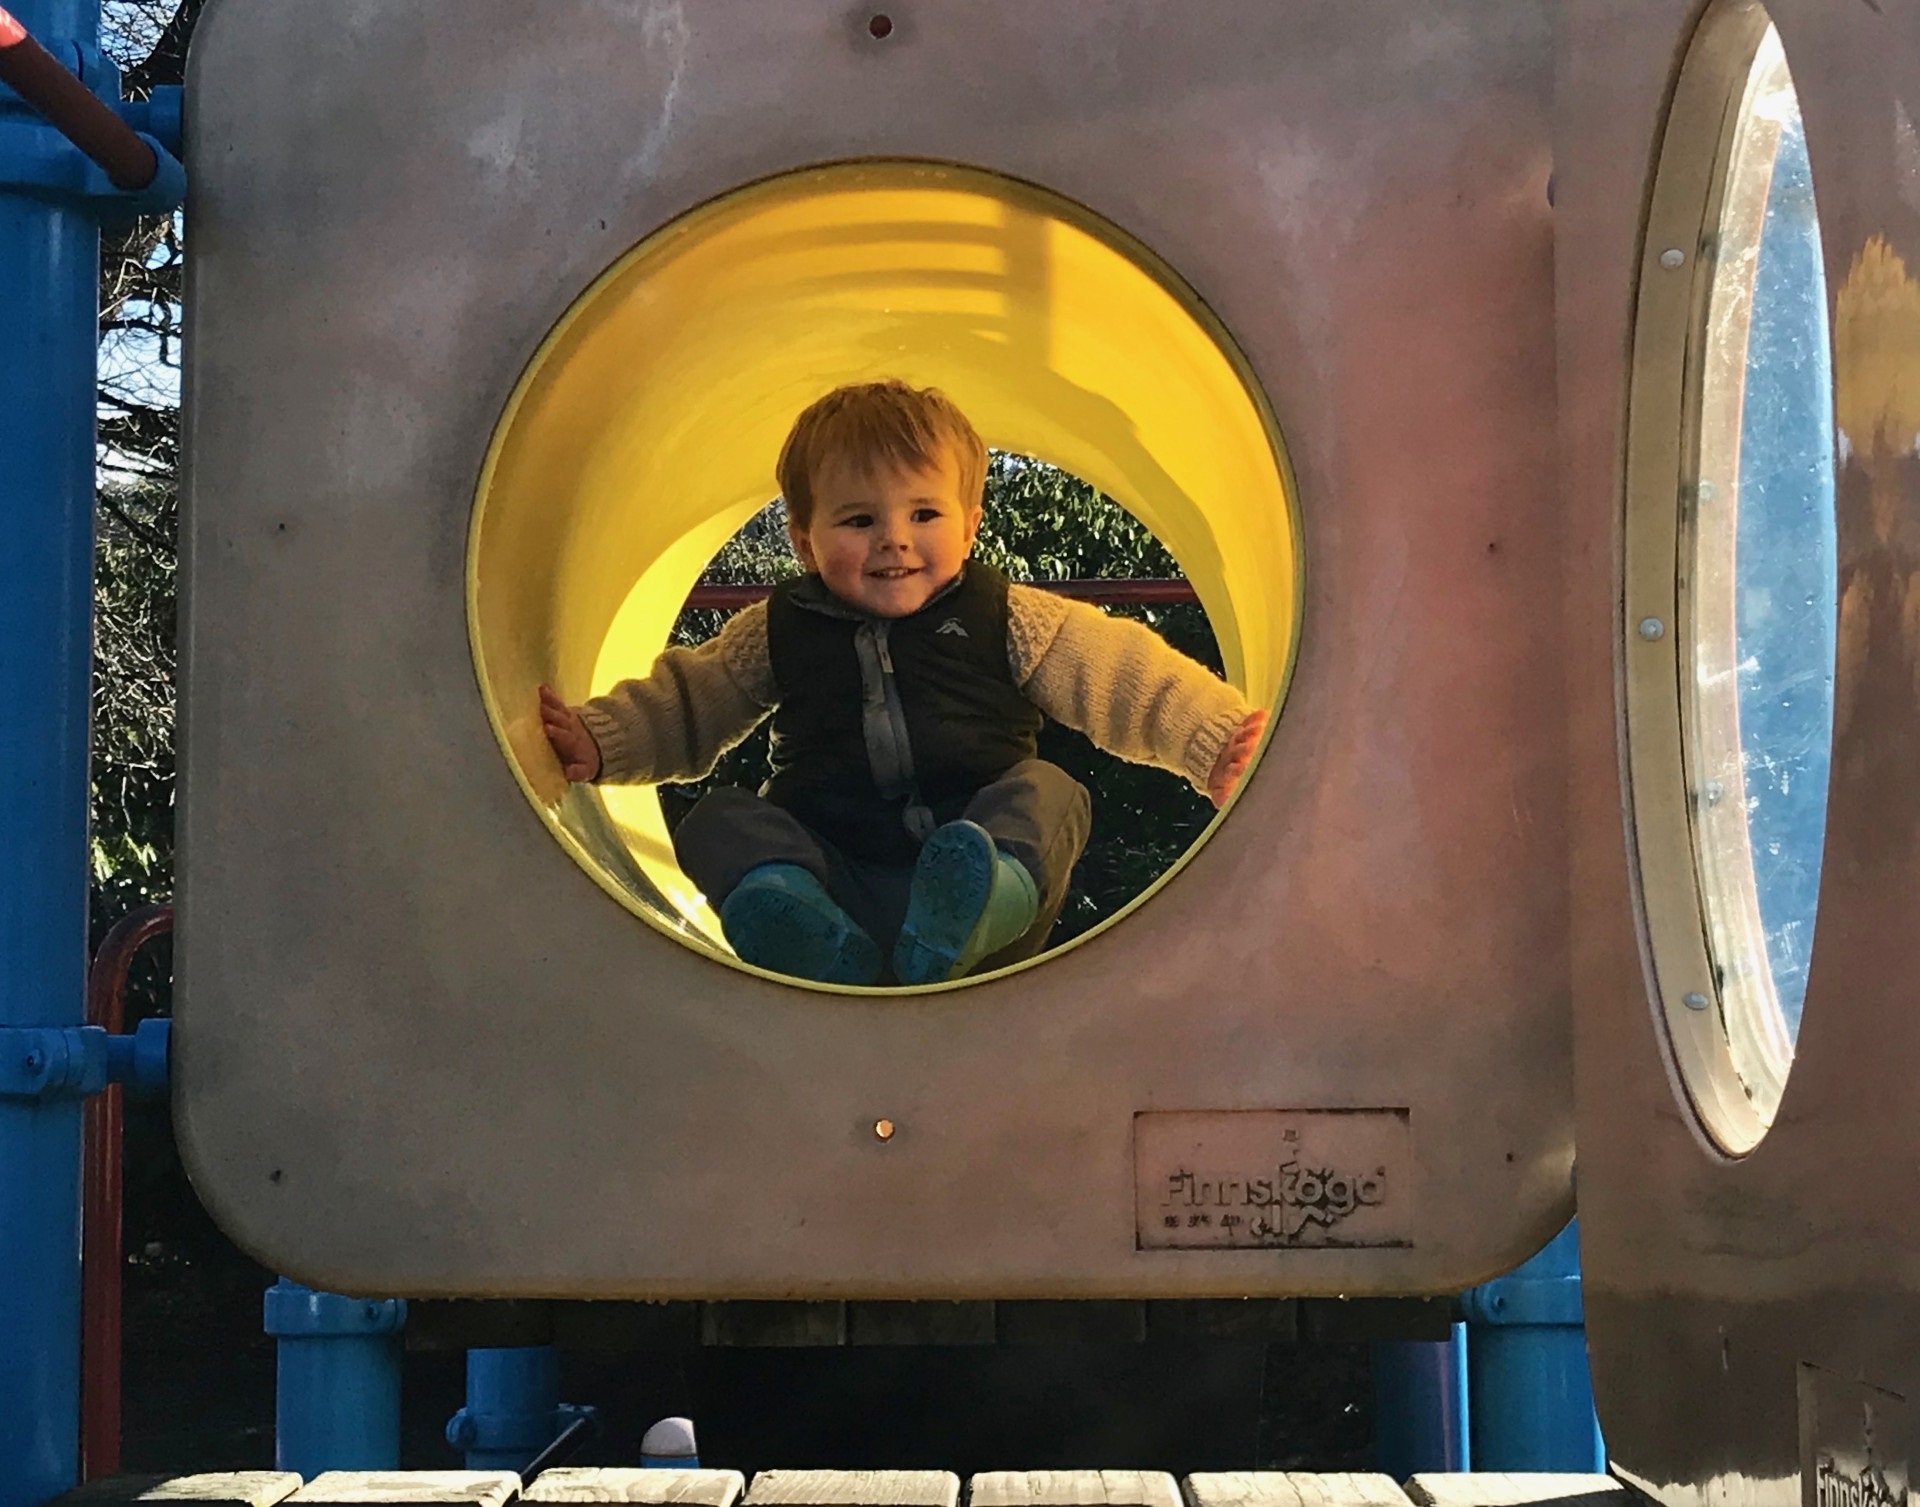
<point x="1115" y="680"/>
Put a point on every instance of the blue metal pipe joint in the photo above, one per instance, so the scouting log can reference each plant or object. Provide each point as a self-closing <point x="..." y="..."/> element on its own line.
<point x="37" y="161"/>
<point x="338" y="1400"/>
<point x="1527" y="1367"/>
<point x="46" y="1062"/>
<point x="513" y="1409"/>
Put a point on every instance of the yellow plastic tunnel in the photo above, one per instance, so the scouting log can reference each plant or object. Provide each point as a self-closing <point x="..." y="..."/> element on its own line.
<point x="643" y="435"/>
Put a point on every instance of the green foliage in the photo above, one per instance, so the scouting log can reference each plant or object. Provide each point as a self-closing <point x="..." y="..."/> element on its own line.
<point x="1041" y="524"/>
<point x="133" y="699"/>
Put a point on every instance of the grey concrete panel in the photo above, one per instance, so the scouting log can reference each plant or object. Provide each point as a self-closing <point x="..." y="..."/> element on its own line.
<point x="418" y="1051"/>
<point x="1752" y="1320"/>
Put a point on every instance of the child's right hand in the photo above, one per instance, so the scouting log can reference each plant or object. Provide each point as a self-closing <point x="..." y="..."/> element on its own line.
<point x="573" y="745"/>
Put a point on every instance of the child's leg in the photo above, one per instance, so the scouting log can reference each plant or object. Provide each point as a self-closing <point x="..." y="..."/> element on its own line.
<point x="776" y="887"/>
<point x="988" y="888"/>
<point x="1038" y="813"/>
<point x="730" y="831"/>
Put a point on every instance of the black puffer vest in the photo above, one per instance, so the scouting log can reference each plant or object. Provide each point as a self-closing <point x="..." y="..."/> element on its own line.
<point x="887" y="727"/>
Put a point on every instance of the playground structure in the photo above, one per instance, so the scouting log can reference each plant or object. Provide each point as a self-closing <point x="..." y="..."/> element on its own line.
<point x="1340" y="299"/>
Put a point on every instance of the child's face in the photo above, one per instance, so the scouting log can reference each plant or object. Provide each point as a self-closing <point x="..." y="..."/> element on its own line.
<point x="886" y="540"/>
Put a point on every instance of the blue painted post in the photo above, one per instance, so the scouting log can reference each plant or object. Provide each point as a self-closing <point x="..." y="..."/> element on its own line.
<point x="513" y="1396"/>
<point x="513" y="1409"/>
<point x="1420" y="1405"/>
<point x="338" y="1400"/>
<point x="1527" y="1359"/>
<point x="49" y="311"/>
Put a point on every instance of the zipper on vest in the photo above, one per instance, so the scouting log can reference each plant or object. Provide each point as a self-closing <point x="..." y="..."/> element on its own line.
<point x="884" y="725"/>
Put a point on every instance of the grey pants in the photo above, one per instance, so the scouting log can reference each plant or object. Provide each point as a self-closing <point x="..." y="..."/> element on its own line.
<point x="1036" y="812"/>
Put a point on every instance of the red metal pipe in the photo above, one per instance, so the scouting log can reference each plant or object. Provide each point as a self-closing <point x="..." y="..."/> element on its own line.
<point x="1135" y="592"/>
<point x="73" y="109"/>
<point x="100" y="1218"/>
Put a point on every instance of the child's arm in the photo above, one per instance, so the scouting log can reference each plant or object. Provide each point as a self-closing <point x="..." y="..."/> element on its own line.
<point x="1130" y="691"/>
<point x="692" y="707"/>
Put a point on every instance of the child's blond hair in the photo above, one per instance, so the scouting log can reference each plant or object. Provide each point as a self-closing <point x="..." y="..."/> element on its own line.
<point x="866" y="423"/>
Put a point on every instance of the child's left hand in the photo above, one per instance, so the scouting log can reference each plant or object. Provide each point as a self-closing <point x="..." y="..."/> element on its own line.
<point x="1235" y="757"/>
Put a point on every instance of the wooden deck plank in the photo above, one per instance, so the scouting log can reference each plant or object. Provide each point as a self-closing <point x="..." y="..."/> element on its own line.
<point x="1073" y="1488"/>
<point x="1492" y="1488"/>
<point x="226" y="1488"/>
<point x="854" y="1488"/>
<point x="1293" y="1488"/>
<point x="592" y="1483"/>
<point x="429" y="1488"/>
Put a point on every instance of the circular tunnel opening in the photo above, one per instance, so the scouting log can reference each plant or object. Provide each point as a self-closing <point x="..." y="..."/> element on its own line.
<point x="641" y="439"/>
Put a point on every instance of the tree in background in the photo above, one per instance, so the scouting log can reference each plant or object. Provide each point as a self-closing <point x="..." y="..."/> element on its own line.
<point x="136" y="521"/>
<point x="137" y="512"/>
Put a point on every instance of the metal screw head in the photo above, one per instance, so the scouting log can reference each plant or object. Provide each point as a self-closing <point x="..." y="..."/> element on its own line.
<point x="1672" y="258"/>
<point x="883" y="1129"/>
<point x="1693" y="999"/>
<point x="1652" y="629"/>
<point x="34" y="1062"/>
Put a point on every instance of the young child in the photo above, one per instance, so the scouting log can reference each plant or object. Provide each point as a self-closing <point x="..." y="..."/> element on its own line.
<point x="907" y="821"/>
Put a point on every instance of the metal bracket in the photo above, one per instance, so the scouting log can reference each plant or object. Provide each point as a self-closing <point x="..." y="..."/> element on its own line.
<point x="1550" y="1300"/>
<point x="476" y="1431"/>
<point x="75" y="1062"/>
<point x="36" y="159"/>
<point x="161" y="116"/>
<point x="295" y="1311"/>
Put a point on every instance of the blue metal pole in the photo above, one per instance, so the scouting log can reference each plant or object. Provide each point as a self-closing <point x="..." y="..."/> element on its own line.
<point x="513" y="1409"/>
<point x="49" y="311"/>
<point x="338" y="1401"/>
<point x="1527" y="1358"/>
<point x="1420" y="1405"/>
<point x="513" y="1395"/>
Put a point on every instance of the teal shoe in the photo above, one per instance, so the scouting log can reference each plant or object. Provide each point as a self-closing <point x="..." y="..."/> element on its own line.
<point x="780" y="918"/>
<point x="968" y="901"/>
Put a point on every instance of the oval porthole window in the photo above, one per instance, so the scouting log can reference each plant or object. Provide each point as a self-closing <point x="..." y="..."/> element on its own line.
<point x="1731" y="572"/>
<point x="642" y="439"/>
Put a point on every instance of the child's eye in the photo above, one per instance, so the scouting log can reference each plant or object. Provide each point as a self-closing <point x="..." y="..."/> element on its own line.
<point x="925" y="515"/>
<point x="857" y="520"/>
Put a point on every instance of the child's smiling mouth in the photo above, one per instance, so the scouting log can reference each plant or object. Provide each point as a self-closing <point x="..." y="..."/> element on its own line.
<point x="895" y="572"/>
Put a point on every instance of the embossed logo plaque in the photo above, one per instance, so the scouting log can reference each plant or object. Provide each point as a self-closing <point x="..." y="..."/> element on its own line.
<point x="1271" y="1179"/>
<point x="1852" y="1442"/>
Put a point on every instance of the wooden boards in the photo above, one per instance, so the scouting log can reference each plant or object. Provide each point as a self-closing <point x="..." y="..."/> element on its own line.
<point x="853" y="1488"/>
<point x="1490" y="1488"/>
<point x="227" y="1488"/>
<point x="1073" y="1488"/>
<point x="656" y="1487"/>
<point x="425" y="1488"/>
<point x="1293" y="1488"/>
